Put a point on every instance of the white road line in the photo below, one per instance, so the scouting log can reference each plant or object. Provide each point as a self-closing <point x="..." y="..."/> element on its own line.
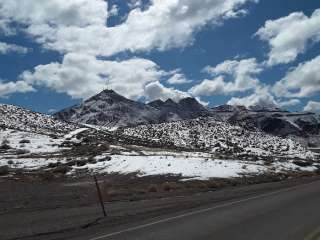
<point x="197" y="212"/>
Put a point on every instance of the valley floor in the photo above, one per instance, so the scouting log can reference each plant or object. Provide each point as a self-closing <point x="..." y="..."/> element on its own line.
<point x="67" y="208"/>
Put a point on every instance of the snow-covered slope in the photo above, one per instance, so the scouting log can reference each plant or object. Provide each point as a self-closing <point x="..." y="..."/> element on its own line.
<point x="219" y="137"/>
<point x="18" y="118"/>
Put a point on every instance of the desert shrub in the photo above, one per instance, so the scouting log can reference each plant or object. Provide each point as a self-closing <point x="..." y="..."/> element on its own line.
<point x="104" y="146"/>
<point x="52" y="165"/>
<point x="92" y="160"/>
<point x="169" y="186"/>
<point x="71" y="163"/>
<point x="46" y="175"/>
<point x="302" y="163"/>
<point x="213" y="184"/>
<point x="5" y="142"/>
<point x="108" y="193"/>
<point x="24" y="141"/>
<point x="81" y="163"/>
<point x="63" y="169"/>
<point x="4" y="170"/>
<point x="152" y="188"/>
<point x="22" y="151"/>
<point x="106" y="158"/>
<point x="5" y="147"/>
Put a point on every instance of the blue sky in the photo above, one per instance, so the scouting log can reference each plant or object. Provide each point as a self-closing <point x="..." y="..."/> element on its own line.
<point x="139" y="46"/>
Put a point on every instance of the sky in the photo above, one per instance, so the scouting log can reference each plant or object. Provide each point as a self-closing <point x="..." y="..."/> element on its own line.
<point x="56" y="53"/>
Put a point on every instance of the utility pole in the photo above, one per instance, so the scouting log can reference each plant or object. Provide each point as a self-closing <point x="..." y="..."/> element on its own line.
<point x="100" y="197"/>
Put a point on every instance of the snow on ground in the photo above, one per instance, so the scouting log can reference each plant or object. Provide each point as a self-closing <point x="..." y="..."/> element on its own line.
<point x="29" y="163"/>
<point x="32" y="142"/>
<point x="209" y="134"/>
<point x="189" y="167"/>
<point x="75" y="132"/>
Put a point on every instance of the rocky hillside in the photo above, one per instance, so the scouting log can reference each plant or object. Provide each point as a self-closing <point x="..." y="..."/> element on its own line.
<point x="219" y="137"/>
<point x="274" y="121"/>
<point x="13" y="117"/>
<point x="110" y="109"/>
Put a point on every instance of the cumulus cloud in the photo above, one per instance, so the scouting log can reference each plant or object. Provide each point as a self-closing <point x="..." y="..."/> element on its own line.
<point x="289" y="103"/>
<point x="81" y="76"/>
<point x="134" y="4"/>
<point x="78" y="29"/>
<point x="289" y="36"/>
<point x="6" y="48"/>
<point x="114" y="10"/>
<point x="312" y="106"/>
<point x="8" y="88"/>
<point x="302" y="81"/>
<point x="178" y="78"/>
<point x="241" y="75"/>
<point x="155" y="90"/>
<point x="80" y="25"/>
<point x="261" y="97"/>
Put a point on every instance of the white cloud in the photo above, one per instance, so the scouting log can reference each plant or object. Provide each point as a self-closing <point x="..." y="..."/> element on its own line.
<point x="178" y="78"/>
<point x="6" y="48"/>
<point x="241" y="73"/>
<point x="80" y="25"/>
<point x="312" y="106"/>
<point x="14" y="87"/>
<point x="289" y="36"/>
<point x="261" y="97"/>
<point x="302" y="81"/>
<point x="78" y="29"/>
<point x="114" y="11"/>
<point x="81" y="76"/>
<point x="289" y="103"/>
<point x="155" y="90"/>
<point x="209" y="87"/>
<point x="134" y="4"/>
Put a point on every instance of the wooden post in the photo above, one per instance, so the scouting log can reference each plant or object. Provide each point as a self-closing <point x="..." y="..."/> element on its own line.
<point x="100" y="196"/>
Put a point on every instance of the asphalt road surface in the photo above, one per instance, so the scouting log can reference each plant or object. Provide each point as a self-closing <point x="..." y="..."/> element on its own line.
<point x="291" y="213"/>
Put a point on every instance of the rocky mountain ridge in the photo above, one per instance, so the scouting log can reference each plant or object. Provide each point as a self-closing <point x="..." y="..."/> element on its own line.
<point x="110" y="109"/>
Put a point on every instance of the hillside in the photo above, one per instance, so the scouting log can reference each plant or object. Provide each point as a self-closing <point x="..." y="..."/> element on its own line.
<point x="18" y="118"/>
<point x="218" y="137"/>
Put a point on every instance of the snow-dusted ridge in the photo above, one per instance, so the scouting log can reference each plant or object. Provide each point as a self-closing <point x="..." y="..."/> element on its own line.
<point x="219" y="137"/>
<point x="18" y="118"/>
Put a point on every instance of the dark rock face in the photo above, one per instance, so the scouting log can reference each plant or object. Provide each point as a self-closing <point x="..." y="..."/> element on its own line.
<point x="278" y="126"/>
<point x="277" y="122"/>
<point x="113" y="110"/>
<point x="110" y="109"/>
<point x="187" y="108"/>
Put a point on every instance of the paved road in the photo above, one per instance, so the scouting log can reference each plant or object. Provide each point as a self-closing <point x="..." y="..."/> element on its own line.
<point x="292" y="213"/>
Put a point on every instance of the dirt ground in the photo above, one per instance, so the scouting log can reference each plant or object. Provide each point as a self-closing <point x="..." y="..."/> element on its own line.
<point x="32" y="207"/>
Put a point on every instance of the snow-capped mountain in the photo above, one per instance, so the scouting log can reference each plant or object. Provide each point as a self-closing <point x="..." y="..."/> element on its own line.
<point x="217" y="137"/>
<point x="113" y="110"/>
<point x="109" y="109"/>
<point x="13" y="117"/>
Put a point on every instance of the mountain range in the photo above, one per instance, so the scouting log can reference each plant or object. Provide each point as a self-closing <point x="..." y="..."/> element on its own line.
<point x="109" y="109"/>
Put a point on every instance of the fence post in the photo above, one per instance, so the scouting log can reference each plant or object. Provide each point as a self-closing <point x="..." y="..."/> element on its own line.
<point x="100" y="196"/>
